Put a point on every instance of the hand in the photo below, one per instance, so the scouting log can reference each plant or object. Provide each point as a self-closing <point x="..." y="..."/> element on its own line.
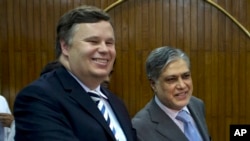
<point x="6" y="119"/>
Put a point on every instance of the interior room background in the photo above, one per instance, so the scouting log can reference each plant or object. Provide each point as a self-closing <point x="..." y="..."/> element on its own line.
<point x="214" y="33"/>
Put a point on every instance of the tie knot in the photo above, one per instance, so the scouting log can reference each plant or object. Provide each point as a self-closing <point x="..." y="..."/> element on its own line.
<point x="93" y="94"/>
<point x="95" y="97"/>
<point x="183" y="116"/>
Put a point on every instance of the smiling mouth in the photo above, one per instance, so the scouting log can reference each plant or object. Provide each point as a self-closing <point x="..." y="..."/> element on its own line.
<point x="101" y="61"/>
<point x="98" y="60"/>
<point x="181" y="94"/>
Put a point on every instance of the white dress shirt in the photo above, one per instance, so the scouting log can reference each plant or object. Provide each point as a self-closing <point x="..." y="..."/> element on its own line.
<point x="4" y="108"/>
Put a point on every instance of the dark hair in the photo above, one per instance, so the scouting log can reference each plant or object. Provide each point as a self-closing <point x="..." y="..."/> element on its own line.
<point x="67" y="23"/>
<point x="160" y="57"/>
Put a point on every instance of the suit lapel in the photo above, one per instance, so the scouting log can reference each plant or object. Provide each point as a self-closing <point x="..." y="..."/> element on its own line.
<point x="165" y="125"/>
<point x="119" y="113"/>
<point x="78" y="94"/>
<point x="197" y="117"/>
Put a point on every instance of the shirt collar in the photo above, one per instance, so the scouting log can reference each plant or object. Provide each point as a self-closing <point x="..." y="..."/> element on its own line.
<point x="172" y="113"/>
<point x="96" y="90"/>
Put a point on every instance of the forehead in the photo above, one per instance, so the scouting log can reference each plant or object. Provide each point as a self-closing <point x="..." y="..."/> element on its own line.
<point x="176" y="67"/>
<point x="94" y="29"/>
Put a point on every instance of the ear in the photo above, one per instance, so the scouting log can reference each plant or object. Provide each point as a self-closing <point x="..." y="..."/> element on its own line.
<point x="64" y="47"/>
<point x="152" y="84"/>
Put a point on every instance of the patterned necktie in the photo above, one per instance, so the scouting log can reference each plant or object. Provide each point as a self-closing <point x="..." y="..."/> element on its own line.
<point x="189" y="129"/>
<point x="101" y="106"/>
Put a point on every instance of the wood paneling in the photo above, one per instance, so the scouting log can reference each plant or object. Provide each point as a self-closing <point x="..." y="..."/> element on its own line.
<point x="219" y="50"/>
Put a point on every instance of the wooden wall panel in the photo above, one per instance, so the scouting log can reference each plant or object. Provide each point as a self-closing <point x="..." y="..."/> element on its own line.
<point x="219" y="50"/>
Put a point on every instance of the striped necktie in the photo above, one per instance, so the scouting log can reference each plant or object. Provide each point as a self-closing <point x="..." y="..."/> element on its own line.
<point x="101" y="106"/>
<point x="189" y="129"/>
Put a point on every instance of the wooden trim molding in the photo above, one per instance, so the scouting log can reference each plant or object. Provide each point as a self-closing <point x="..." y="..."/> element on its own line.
<point x="113" y="5"/>
<point x="209" y="1"/>
<point x="229" y="15"/>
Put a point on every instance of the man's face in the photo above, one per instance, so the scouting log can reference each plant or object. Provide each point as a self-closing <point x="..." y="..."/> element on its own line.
<point x="174" y="86"/>
<point x="92" y="52"/>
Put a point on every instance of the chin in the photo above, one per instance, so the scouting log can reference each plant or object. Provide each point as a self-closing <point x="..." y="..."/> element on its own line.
<point x="182" y="104"/>
<point x="101" y="73"/>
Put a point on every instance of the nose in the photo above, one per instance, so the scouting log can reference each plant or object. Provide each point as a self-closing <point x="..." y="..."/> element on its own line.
<point x="103" y="47"/>
<point x="181" y="84"/>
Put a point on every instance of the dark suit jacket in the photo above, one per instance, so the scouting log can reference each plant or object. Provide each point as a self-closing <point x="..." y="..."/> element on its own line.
<point x="152" y="124"/>
<point x="56" y="108"/>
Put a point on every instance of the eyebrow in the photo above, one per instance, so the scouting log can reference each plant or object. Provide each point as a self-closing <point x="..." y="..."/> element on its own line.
<point x="97" y="38"/>
<point x="187" y="72"/>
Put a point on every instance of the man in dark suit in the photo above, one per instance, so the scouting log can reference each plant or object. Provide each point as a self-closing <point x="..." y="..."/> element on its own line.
<point x="58" y="106"/>
<point x="168" y="70"/>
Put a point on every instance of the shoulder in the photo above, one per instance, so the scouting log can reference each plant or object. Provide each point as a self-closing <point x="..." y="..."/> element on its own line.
<point x="143" y="114"/>
<point x="48" y="81"/>
<point x="2" y="98"/>
<point x="196" y="100"/>
<point x="141" y="120"/>
<point x="3" y="101"/>
<point x="197" y="104"/>
<point x="44" y="88"/>
<point x="4" y="107"/>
